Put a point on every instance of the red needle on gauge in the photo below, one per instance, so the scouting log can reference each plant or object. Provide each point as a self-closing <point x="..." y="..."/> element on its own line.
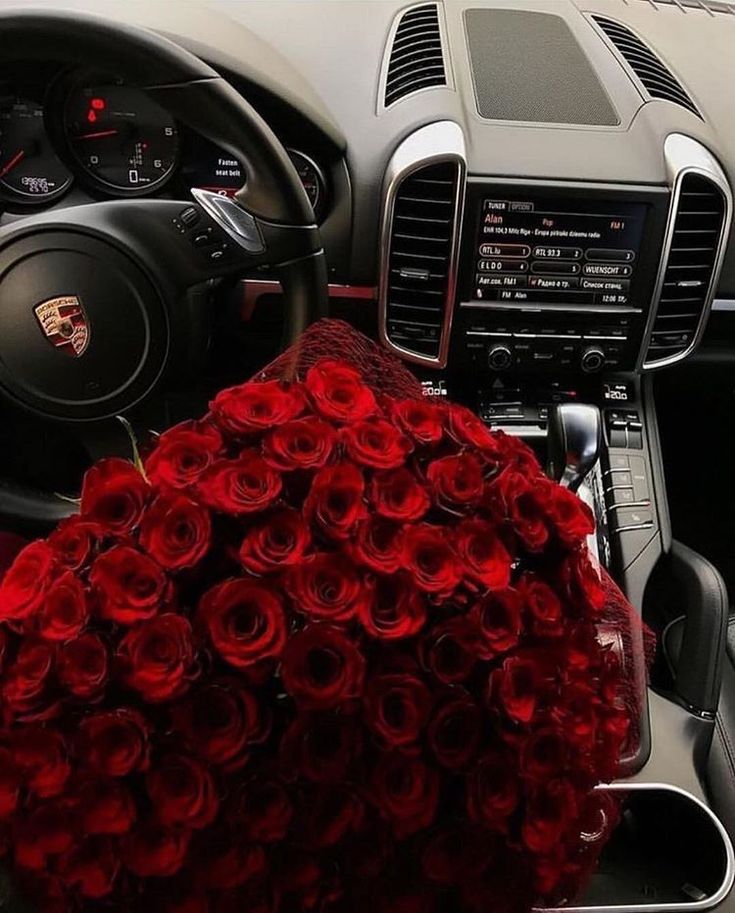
<point x="98" y="134"/>
<point x="12" y="163"/>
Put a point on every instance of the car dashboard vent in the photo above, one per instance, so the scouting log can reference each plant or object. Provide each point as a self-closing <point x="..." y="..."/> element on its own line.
<point x="421" y="248"/>
<point x="416" y="54"/>
<point x="654" y="75"/>
<point x="691" y="262"/>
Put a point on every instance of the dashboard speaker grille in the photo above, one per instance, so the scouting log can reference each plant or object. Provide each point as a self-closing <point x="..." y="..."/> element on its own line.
<point x="417" y="54"/>
<point x="420" y="250"/>
<point x="528" y="66"/>
<point x="657" y="79"/>
<point x="690" y="266"/>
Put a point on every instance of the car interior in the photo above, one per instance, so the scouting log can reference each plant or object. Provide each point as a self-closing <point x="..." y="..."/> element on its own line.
<point x="529" y="202"/>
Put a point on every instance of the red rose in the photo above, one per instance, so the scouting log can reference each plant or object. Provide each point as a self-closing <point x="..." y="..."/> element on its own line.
<point x="40" y="756"/>
<point x="581" y="582"/>
<point x="228" y="864"/>
<point x="512" y="497"/>
<point x="492" y="790"/>
<point x="496" y="623"/>
<point x="549" y="812"/>
<point x="182" y="792"/>
<point x="329" y="814"/>
<point x="83" y="666"/>
<point x="444" y="860"/>
<point x="90" y="868"/>
<point x="570" y="518"/>
<point x="276" y="541"/>
<point x="176" y="531"/>
<point x="73" y="541"/>
<point x="377" y="443"/>
<point x="469" y="430"/>
<point x="113" y="743"/>
<point x="305" y="443"/>
<point x="157" y="657"/>
<point x="518" y="686"/>
<point x="396" y="707"/>
<point x="455" y="730"/>
<point x="456" y="481"/>
<point x="337" y="391"/>
<point x="130" y="586"/>
<point x="255" y="407"/>
<point x="242" y="486"/>
<point x="378" y="545"/>
<point x="420" y="420"/>
<point x="64" y="611"/>
<point x="154" y="851"/>
<point x="326" y="587"/>
<point x="405" y="790"/>
<point x="397" y="495"/>
<point x="46" y="831"/>
<point x="395" y="610"/>
<point x="10" y="783"/>
<point x="322" y="668"/>
<point x="336" y="501"/>
<point x="430" y="559"/>
<point x="114" y="494"/>
<point x="543" y="605"/>
<point x="544" y="756"/>
<point x="262" y="810"/>
<point x="244" y="621"/>
<point x="485" y="558"/>
<point x="105" y="807"/>
<point x="221" y="721"/>
<point x="25" y="682"/>
<point x="25" y="584"/>
<point x="321" y="747"/>
<point x="447" y="650"/>
<point x="182" y="454"/>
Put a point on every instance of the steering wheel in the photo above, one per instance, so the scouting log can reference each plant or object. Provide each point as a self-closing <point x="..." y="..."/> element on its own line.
<point x="91" y="310"/>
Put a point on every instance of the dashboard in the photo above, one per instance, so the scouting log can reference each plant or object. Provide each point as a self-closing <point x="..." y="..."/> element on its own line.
<point x="90" y="132"/>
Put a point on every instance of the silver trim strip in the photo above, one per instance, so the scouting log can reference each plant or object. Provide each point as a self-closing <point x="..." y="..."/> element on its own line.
<point x="684" y="155"/>
<point x="383" y="78"/>
<point x="442" y="141"/>
<point x="723" y="304"/>
<point x="707" y="904"/>
<point x="543" y="308"/>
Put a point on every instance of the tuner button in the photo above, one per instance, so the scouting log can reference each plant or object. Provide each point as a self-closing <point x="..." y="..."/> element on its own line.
<point x="499" y="358"/>
<point x="592" y="360"/>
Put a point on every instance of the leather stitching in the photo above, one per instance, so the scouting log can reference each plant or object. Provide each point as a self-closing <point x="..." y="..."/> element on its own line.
<point x="728" y="752"/>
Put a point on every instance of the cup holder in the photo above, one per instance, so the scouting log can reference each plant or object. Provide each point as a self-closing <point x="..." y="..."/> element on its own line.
<point x="668" y="853"/>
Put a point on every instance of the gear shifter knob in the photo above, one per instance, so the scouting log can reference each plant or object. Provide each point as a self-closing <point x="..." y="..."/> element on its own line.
<point x="573" y="442"/>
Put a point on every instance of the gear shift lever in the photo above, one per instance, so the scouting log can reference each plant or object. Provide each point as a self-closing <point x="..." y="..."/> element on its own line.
<point x="573" y="442"/>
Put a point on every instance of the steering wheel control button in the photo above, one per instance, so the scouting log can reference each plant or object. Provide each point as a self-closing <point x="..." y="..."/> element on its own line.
<point x="232" y="218"/>
<point x="189" y="216"/>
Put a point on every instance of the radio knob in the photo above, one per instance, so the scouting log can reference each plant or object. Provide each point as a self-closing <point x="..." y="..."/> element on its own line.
<point x="592" y="360"/>
<point x="499" y="358"/>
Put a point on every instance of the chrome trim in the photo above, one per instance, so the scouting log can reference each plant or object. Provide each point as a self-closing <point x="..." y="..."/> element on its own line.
<point x="684" y="155"/>
<point x="334" y="289"/>
<point x="442" y="141"/>
<point x="446" y="58"/>
<point x="543" y="308"/>
<point x="707" y="904"/>
<point x="723" y="304"/>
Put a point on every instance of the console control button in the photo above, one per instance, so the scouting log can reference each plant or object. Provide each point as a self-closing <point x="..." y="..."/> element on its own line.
<point x="640" y="482"/>
<point x="632" y="517"/>
<point x="621" y="479"/>
<point x="620" y="496"/>
<point x="592" y="360"/>
<point x="619" y="461"/>
<point x="500" y="358"/>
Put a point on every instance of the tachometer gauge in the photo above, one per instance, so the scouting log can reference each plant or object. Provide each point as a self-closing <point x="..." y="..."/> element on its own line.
<point x="124" y="140"/>
<point x="30" y="170"/>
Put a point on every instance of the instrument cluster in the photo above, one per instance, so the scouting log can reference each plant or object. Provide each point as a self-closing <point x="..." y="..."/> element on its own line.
<point x="112" y="140"/>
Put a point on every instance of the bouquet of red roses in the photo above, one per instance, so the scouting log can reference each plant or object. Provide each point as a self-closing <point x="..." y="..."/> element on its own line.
<point x="326" y="650"/>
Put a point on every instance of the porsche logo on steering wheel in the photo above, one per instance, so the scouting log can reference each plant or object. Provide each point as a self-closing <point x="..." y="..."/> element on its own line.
<point x="64" y="324"/>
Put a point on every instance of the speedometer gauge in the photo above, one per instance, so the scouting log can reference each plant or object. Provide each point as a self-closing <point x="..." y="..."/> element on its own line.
<point x="123" y="139"/>
<point x="30" y="170"/>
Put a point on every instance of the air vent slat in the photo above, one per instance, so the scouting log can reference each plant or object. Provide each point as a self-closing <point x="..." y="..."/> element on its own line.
<point x="689" y="270"/>
<point x="420" y="250"/>
<point x="416" y="58"/>
<point x="654" y="75"/>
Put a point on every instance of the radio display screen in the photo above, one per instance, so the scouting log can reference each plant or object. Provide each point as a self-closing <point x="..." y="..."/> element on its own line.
<point x="561" y="252"/>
